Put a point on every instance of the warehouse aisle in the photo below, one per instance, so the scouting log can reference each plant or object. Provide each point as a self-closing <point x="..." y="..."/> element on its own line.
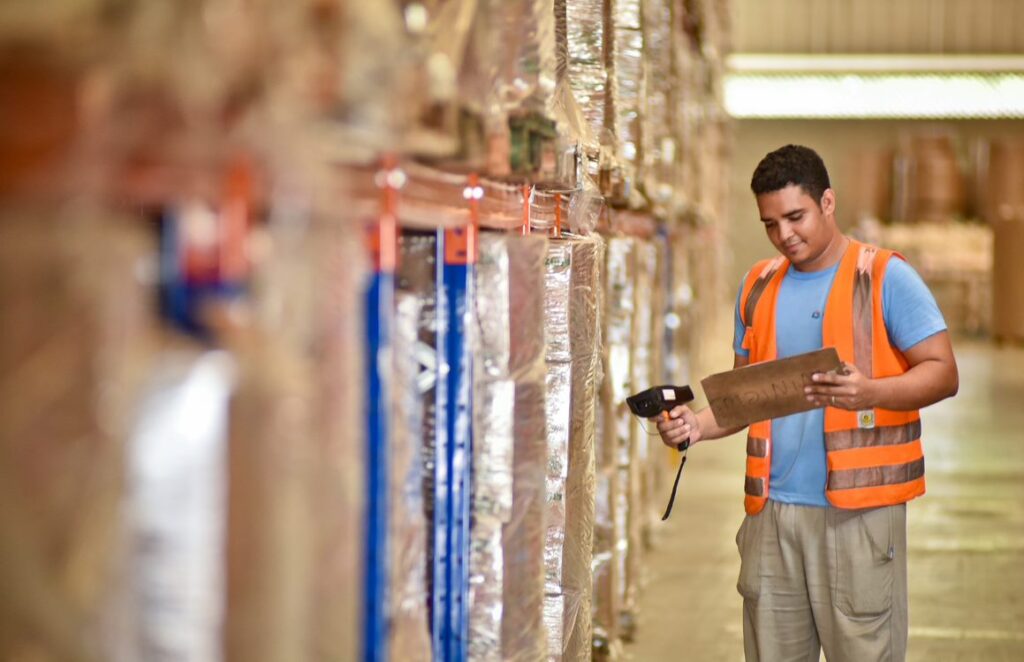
<point x="966" y="534"/>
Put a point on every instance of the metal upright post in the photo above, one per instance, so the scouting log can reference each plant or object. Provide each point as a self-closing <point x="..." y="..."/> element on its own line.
<point x="439" y="599"/>
<point x="379" y="312"/>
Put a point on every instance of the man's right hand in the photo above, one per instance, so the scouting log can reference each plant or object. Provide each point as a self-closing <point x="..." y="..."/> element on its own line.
<point x="681" y="424"/>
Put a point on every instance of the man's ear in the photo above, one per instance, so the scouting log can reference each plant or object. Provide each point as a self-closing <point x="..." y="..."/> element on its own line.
<point x="828" y="201"/>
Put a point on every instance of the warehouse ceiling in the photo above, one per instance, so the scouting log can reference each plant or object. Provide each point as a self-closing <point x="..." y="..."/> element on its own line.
<point x="875" y="59"/>
<point x="878" y="26"/>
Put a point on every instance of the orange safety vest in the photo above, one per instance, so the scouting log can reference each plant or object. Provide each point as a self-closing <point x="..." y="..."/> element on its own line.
<point x="874" y="457"/>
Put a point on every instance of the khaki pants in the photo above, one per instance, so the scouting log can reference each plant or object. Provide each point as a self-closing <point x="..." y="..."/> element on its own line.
<point x="824" y="578"/>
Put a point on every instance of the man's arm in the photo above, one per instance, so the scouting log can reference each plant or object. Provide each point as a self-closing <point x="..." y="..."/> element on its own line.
<point x="697" y="426"/>
<point x="932" y="376"/>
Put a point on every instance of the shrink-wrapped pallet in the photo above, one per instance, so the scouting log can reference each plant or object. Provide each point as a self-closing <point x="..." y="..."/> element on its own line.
<point x="643" y="377"/>
<point x="630" y="81"/>
<point x="409" y="631"/>
<point x="659" y="144"/>
<point x="572" y="319"/>
<point x="339" y="496"/>
<point x="507" y="266"/>
<point x="610" y="541"/>
<point x="416" y="274"/>
<point x="581" y="61"/>
<point x="295" y="555"/>
<point x="523" y="635"/>
<point x="526" y="74"/>
<point x="76" y="337"/>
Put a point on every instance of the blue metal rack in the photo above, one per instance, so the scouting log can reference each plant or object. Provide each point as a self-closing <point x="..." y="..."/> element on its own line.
<point x="440" y="611"/>
<point x="456" y="277"/>
<point x="380" y="306"/>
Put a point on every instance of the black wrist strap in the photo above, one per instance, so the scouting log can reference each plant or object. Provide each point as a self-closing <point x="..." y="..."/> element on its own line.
<point x="675" y="486"/>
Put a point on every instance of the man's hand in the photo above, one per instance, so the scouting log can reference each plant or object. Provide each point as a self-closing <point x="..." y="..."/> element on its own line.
<point x="848" y="389"/>
<point x="681" y="424"/>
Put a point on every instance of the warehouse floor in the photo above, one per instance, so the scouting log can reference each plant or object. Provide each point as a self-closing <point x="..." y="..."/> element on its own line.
<point x="966" y="535"/>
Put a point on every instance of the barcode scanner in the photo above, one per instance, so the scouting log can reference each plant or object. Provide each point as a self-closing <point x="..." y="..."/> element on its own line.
<point x="659" y="401"/>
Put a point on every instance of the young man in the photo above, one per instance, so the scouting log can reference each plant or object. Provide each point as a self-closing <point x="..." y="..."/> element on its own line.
<point x="823" y="545"/>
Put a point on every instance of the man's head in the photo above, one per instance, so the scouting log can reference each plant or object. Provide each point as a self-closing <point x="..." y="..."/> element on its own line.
<point x="797" y="207"/>
<point x="793" y="164"/>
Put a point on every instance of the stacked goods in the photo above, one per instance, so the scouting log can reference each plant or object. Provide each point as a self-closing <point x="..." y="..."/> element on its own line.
<point x="611" y="541"/>
<point x="493" y="445"/>
<point x="1000" y="180"/>
<point x="77" y="337"/>
<point x="409" y="634"/>
<point x="572" y="318"/>
<point x="336" y="428"/>
<point x="523" y="635"/>
<point x="870" y="193"/>
<point x="416" y="277"/>
<point x="929" y="186"/>
<point x="582" y="63"/>
<point x="645" y="374"/>
<point x="1008" y="280"/>
<point x="338" y="486"/>
<point x="659" y="144"/>
<point x="955" y="259"/>
<point x="631" y="83"/>
<point x="292" y="581"/>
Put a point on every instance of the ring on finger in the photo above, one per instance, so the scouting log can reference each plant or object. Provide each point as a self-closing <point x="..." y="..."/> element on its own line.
<point x="833" y="401"/>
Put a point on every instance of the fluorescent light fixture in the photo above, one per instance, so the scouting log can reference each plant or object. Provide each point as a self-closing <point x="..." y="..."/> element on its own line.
<point x="875" y="95"/>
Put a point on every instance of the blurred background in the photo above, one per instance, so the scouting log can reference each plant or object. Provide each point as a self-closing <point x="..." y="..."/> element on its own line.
<point x="317" y="319"/>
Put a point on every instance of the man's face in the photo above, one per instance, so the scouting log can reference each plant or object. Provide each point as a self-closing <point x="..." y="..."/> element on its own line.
<point x="799" y="228"/>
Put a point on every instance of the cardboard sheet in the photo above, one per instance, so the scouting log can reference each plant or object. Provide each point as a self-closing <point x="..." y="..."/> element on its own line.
<point x="766" y="390"/>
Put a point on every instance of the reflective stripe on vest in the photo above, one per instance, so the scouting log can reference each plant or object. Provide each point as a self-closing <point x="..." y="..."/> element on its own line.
<point x="874" y="457"/>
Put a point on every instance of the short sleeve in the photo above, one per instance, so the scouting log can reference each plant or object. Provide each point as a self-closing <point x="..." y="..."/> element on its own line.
<point x="740" y="331"/>
<point x="910" y="311"/>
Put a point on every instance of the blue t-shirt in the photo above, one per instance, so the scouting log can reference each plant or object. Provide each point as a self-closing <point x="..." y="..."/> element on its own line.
<point x="911" y="315"/>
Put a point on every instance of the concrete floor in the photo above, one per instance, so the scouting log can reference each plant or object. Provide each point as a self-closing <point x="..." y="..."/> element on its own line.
<point x="966" y="534"/>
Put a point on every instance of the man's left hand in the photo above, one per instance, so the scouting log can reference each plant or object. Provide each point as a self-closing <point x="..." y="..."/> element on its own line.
<point x="847" y="390"/>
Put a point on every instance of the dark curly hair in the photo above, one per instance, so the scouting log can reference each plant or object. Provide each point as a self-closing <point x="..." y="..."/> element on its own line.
<point x="792" y="164"/>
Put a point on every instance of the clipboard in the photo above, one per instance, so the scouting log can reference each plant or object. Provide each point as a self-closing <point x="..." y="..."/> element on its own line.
<point x="766" y="390"/>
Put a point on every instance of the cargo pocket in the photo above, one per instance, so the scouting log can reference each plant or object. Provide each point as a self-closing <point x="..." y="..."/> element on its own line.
<point x="864" y="554"/>
<point x="748" y="542"/>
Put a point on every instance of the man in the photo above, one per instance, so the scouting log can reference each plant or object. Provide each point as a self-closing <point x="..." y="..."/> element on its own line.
<point x="823" y="545"/>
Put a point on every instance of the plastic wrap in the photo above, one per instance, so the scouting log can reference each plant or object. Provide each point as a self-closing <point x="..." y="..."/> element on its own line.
<point x="295" y="553"/>
<point x="630" y="81"/>
<point x="409" y="632"/>
<point x="611" y="543"/>
<point x="176" y="505"/>
<point x="526" y="76"/>
<point x="493" y="411"/>
<point x="659" y="144"/>
<point x="572" y="320"/>
<point x="523" y="635"/>
<point x="622" y="311"/>
<point x="643" y="377"/>
<point x="74" y="352"/>
<point x="416" y="274"/>
<point x="582" y="62"/>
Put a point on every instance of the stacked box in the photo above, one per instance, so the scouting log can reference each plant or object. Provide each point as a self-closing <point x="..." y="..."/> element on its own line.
<point x="582" y="63"/>
<point x="416" y="274"/>
<point x="409" y="631"/>
<point x="611" y="545"/>
<point x="1008" y="280"/>
<point x="659" y="144"/>
<point x="77" y="333"/>
<point x="493" y="444"/>
<point x="630" y="82"/>
<point x="572" y="319"/>
<point x="523" y="633"/>
<point x="338" y="487"/>
<point x="647" y="447"/>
